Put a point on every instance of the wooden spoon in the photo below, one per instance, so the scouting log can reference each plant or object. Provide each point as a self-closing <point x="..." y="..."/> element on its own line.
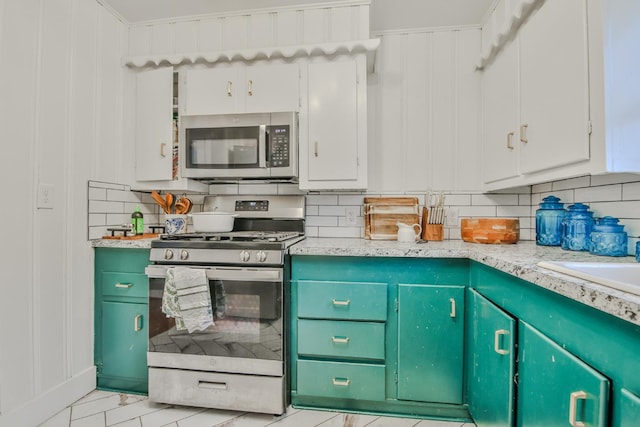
<point x="159" y="200"/>
<point x="169" y="203"/>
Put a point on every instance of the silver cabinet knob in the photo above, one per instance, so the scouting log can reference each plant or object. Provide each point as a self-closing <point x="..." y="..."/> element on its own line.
<point x="261" y="256"/>
<point x="245" y="256"/>
<point x="168" y="254"/>
<point x="184" y="254"/>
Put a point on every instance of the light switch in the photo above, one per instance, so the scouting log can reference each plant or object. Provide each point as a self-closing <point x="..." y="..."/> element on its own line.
<point x="45" y="196"/>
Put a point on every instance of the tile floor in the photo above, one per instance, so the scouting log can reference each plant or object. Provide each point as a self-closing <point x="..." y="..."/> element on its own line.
<point x="101" y="409"/>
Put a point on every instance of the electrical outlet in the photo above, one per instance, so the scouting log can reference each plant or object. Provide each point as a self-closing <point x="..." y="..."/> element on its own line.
<point x="45" y="196"/>
<point x="351" y="213"/>
<point x="451" y="217"/>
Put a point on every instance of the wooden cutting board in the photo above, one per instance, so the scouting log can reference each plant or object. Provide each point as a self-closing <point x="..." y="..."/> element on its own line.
<point x="382" y="214"/>
<point x="490" y="230"/>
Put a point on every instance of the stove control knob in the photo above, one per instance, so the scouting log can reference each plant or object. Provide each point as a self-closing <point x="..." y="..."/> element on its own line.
<point x="184" y="254"/>
<point x="245" y="256"/>
<point x="261" y="256"/>
<point x="168" y="254"/>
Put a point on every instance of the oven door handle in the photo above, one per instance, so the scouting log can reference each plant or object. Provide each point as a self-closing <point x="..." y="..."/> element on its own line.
<point x="224" y="273"/>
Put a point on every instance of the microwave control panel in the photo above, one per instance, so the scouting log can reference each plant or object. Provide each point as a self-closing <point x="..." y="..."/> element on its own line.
<point x="279" y="146"/>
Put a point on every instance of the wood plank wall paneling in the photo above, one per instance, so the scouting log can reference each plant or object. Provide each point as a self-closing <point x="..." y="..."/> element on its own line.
<point x="282" y="27"/>
<point x="427" y="127"/>
<point x="63" y="96"/>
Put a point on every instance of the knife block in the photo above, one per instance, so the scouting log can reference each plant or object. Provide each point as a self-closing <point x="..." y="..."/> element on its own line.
<point x="432" y="232"/>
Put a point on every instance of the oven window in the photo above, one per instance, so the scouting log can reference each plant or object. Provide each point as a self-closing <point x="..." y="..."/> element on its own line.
<point x="247" y="319"/>
<point x="223" y="148"/>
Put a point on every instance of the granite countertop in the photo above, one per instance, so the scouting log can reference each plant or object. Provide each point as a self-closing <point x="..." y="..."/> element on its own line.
<point x="122" y="243"/>
<point x="519" y="260"/>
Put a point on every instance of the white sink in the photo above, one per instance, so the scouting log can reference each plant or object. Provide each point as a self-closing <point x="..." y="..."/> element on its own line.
<point x="621" y="276"/>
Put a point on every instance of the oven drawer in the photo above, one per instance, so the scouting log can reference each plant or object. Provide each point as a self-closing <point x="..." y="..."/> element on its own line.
<point x="117" y="284"/>
<point x="364" y="340"/>
<point x="342" y="300"/>
<point x="215" y="390"/>
<point x="341" y="380"/>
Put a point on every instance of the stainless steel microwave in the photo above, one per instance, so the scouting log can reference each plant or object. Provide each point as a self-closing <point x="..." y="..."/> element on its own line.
<point x="240" y="146"/>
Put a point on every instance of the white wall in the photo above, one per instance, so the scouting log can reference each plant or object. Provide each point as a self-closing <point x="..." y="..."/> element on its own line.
<point x="61" y="109"/>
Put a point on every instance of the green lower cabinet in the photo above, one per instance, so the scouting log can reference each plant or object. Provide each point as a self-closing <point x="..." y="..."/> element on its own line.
<point x="124" y="341"/>
<point x="491" y="363"/>
<point x="555" y="388"/>
<point x="121" y="301"/>
<point x="343" y="339"/>
<point x="629" y="409"/>
<point x="341" y="380"/>
<point x="430" y="343"/>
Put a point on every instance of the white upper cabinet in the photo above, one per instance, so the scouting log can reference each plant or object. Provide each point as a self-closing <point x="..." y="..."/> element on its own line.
<point x="333" y="140"/>
<point x="240" y="89"/>
<point x="576" y="98"/>
<point x="554" y="87"/>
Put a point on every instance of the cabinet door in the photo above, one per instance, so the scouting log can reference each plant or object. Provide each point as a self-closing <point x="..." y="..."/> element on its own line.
<point x="629" y="409"/>
<point x="556" y="388"/>
<point x="500" y="86"/>
<point x="123" y="340"/>
<point x="492" y="353"/>
<point x="211" y="91"/>
<point x="554" y="86"/>
<point x="272" y="88"/>
<point x="333" y="121"/>
<point x="430" y="343"/>
<point x="154" y="128"/>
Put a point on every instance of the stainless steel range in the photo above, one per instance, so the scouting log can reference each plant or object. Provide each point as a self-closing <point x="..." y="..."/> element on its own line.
<point x="238" y="360"/>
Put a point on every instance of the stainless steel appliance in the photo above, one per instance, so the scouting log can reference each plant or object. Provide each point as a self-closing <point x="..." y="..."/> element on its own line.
<point x="240" y="146"/>
<point x="239" y="362"/>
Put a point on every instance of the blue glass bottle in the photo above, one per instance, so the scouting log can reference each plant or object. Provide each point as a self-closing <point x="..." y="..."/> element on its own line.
<point x="549" y="222"/>
<point x="576" y="228"/>
<point x="638" y="251"/>
<point x="608" y="238"/>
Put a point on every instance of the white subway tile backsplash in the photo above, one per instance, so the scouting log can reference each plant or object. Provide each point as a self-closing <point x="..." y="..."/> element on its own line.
<point x="322" y="221"/>
<point x="512" y="211"/>
<point x="351" y="199"/>
<point x="332" y="210"/>
<point x="312" y="210"/>
<point x="604" y="193"/>
<point x="621" y="210"/>
<point x="317" y="199"/>
<point x="97" y="219"/>
<point x="97" y="193"/>
<point x="290" y="189"/>
<point x="108" y="185"/>
<point x="123" y="196"/>
<point x="311" y="231"/>
<point x="494" y="199"/>
<point x="476" y="211"/>
<point x="614" y="178"/>
<point x="100" y="206"/>
<point x="220" y="189"/>
<point x="567" y="184"/>
<point x="541" y="188"/>
<point x="340" y="232"/>
<point x="631" y="191"/>
<point x="457" y="199"/>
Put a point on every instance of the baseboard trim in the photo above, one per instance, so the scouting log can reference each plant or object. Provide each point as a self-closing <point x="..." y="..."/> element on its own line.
<point x="52" y="401"/>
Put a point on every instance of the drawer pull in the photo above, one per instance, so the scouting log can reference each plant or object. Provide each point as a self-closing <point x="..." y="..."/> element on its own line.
<point x="212" y="385"/>
<point x="137" y="323"/>
<point x="496" y="341"/>
<point x="573" y="403"/>
<point x="340" y="340"/>
<point x="341" y="303"/>
<point x="124" y="285"/>
<point x="341" y="382"/>
<point x="452" y="313"/>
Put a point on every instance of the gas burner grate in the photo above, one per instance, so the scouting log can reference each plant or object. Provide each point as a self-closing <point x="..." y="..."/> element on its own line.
<point x="238" y="236"/>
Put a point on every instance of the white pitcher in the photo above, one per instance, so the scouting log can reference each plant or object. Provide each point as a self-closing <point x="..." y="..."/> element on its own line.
<point x="408" y="233"/>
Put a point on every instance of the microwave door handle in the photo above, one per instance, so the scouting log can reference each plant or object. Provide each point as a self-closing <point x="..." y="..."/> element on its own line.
<point x="262" y="147"/>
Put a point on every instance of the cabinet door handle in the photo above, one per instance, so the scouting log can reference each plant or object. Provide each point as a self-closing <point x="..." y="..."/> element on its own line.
<point x="509" y="136"/>
<point x="229" y="93"/>
<point x="340" y="340"/>
<point x="162" y="147"/>
<point x="315" y="149"/>
<point x="523" y="133"/>
<point x="452" y="313"/>
<point x="343" y="303"/>
<point x="250" y="87"/>
<point x="573" y="403"/>
<point x="342" y="382"/>
<point x="124" y="285"/>
<point x="137" y="323"/>
<point x="496" y="341"/>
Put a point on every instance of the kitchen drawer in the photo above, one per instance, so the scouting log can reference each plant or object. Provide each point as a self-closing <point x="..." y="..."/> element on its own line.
<point x="342" y="300"/>
<point x="115" y="284"/>
<point x="363" y="340"/>
<point x="341" y="380"/>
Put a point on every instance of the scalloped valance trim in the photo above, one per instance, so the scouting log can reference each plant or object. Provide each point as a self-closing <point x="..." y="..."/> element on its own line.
<point x="509" y="28"/>
<point x="368" y="46"/>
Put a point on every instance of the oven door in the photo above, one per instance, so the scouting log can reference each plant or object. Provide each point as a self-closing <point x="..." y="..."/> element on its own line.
<point x="247" y="334"/>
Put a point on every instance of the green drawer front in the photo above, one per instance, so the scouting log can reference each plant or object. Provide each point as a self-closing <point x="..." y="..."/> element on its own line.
<point x="364" y="340"/>
<point x="342" y="380"/>
<point x="342" y="300"/>
<point x="125" y="284"/>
